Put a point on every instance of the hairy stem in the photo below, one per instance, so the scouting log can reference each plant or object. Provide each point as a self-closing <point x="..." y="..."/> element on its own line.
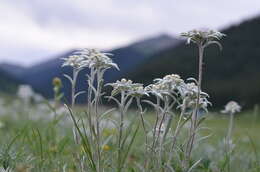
<point x="121" y="126"/>
<point x="73" y="86"/>
<point x="230" y="126"/>
<point x="190" y="143"/>
<point x="89" y="102"/>
<point x="73" y="90"/>
<point x="143" y="121"/>
<point x="96" y="104"/>
<point x="160" y="135"/>
<point x="177" y="130"/>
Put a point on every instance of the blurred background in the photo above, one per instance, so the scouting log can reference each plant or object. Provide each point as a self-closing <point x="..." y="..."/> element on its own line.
<point x="144" y="37"/>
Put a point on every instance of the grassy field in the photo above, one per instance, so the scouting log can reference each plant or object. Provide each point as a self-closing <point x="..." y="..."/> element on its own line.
<point x="33" y="138"/>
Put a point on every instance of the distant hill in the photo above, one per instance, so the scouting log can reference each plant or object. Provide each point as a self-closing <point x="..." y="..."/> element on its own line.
<point x="233" y="74"/>
<point x="14" y="70"/>
<point x="8" y="84"/>
<point x="155" y="44"/>
<point x="128" y="58"/>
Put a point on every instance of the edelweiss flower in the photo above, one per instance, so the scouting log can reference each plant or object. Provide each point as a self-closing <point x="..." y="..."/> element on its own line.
<point x="118" y="86"/>
<point x="171" y="82"/>
<point x="203" y="103"/>
<point x="232" y="107"/>
<point x="74" y="61"/>
<point x="100" y="60"/>
<point x="189" y="93"/>
<point x="191" y="90"/>
<point x="25" y="92"/>
<point x="90" y="58"/>
<point x="204" y="37"/>
<point x="138" y="91"/>
<point x="158" y="90"/>
<point x="166" y="85"/>
<point x="133" y="89"/>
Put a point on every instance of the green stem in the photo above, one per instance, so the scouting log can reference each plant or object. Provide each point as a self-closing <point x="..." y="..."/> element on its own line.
<point x="143" y="124"/>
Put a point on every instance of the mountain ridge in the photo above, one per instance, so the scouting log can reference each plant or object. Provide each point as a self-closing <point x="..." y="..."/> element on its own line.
<point x="128" y="58"/>
<point x="230" y="74"/>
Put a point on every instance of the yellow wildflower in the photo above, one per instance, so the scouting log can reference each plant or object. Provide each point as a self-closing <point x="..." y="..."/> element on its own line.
<point x="106" y="148"/>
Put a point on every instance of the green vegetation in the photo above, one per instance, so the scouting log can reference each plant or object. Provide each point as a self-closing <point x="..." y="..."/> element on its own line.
<point x="41" y="143"/>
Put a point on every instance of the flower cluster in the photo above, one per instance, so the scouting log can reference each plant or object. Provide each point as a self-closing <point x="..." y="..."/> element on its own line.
<point x="26" y="93"/>
<point x="74" y="61"/>
<point x="165" y="86"/>
<point x="170" y="82"/>
<point x="171" y="85"/>
<point x="133" y="89"/>
<point x="197" y="36"/>
<point x="157" y="90"/>
<point x="189" y="93"/>
<point x="90" y="58"/>
<point x="96" y="59"/>
<point x="232" y="107"/>
<point x="138" y="91"/>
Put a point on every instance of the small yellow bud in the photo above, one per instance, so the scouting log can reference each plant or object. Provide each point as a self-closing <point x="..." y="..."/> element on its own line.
<point x="57" y="82"/>
<point x="106" y="148"/>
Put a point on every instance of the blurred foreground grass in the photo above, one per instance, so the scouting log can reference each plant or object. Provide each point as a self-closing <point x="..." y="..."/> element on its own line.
<point x="34" y="139"/>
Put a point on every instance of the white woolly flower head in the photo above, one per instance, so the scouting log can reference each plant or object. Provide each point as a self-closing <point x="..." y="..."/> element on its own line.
<point x="158" y="90"/>
<point x="165" y="86"/>
<point x="202" y="36"/>
<point x="133" y="89"/>
<point x="232" y="107"/>
<point x="25" y="92"/>
<point x="191" y="104"/>
<point x="170" y="82"/>
<point x="191" y="90"/>
<point x="98" y="59"/>
<point x="90" y="58"/>
<point x="189" y="93"/>
<point x="74" y="61"/>
<point x="119" y="86"/>
<point x="138" y="91"/>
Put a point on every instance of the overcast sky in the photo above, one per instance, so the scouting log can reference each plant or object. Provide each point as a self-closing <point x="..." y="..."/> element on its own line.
<point x="34" y="30"/>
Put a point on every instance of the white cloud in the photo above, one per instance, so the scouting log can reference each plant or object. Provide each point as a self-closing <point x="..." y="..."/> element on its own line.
<point x="32" y="30"/>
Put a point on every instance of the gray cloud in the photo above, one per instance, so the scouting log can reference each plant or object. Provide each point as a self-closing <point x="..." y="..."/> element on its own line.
<point x="34" y="29"/>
